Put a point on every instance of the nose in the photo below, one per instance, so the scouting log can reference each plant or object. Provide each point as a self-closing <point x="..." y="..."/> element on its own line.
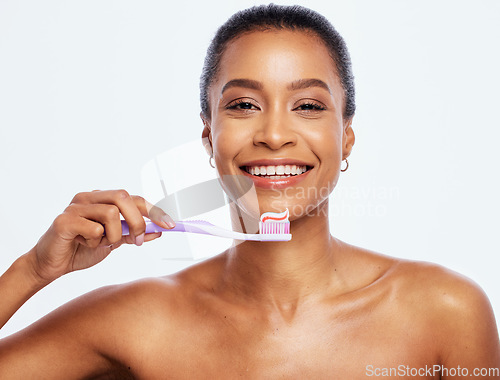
<point x="275" y="132"/>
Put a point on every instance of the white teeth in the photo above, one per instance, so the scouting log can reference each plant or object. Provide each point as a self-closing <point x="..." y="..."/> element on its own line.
<point x="276" y="171"/>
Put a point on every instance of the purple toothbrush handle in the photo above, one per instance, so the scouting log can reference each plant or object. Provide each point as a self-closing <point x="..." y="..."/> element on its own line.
<point x="151" y="227"/>
<point x="179" y="227"/>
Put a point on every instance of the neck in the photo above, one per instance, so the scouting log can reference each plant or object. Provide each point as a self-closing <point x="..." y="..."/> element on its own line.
<point x="283" y="274"/>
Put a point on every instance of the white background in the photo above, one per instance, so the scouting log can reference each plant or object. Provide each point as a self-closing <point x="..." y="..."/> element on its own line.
<point x="92" y="90"/>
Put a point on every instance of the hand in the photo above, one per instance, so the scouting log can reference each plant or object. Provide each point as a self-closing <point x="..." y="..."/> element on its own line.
<point x="76" y="240"/>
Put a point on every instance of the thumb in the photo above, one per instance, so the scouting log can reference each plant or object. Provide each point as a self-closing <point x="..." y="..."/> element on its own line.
<point x="159" y="217"/>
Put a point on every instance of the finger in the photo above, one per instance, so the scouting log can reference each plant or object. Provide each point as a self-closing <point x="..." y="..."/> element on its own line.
<point x="152" y="236"/>
<point x="128" y="240"/>
<point x="68" y="226"/>
<point x="107" y="215"/>
<point x="156" y="214"/>
<point x="147" y="237"/>
<point x="91" y="243"/>
<point x="126" y="205"/>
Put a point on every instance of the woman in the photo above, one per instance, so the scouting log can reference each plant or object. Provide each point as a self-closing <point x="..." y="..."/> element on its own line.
<point x="276" y="90"/>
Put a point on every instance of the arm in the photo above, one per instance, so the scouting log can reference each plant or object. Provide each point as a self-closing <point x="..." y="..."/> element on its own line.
<point x="18" y="284"/>
<point x="70" y="336"/>
<point x="68" y="343"/>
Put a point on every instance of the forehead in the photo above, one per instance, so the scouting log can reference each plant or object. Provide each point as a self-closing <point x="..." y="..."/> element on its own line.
<point x="276" y="57"/>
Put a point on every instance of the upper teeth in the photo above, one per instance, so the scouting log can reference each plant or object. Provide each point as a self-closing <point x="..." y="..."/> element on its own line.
<point x="276" y="170"/>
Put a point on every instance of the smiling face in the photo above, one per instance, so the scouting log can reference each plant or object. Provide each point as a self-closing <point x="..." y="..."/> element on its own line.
<point x="277" y="117"/>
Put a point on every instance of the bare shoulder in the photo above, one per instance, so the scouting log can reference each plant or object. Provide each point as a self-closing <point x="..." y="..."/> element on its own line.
<point x="163" y="291"/>
<point x="167" y="302"/>
<point x="104" y="331"/>
<point x="458" y="311"/>
<point x="444" y="290"/>
<point x="443" y="305"/>
<point x="441" y="287"/>
<point x="447" y="310"/>
<point x="157" y="297"/>
<point x="88" y="336"/>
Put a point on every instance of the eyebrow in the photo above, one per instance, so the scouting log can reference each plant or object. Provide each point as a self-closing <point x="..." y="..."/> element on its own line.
<point x="306" y="83"/>
<point x="245" y="83"/>
<point x="299" y="84"/>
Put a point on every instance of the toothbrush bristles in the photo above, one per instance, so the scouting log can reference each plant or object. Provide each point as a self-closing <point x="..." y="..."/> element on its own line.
<point x="274" y="228"/>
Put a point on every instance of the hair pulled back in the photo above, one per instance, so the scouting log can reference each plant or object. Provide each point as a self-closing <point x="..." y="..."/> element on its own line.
<point x="266" y="17"/>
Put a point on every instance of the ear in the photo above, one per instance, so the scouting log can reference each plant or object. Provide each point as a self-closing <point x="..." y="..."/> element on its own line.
<point x="206" y="135"/>
<point x="348" y="138"/>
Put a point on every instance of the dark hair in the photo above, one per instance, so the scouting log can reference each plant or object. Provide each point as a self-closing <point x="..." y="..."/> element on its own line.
<point x="265" y="17"/>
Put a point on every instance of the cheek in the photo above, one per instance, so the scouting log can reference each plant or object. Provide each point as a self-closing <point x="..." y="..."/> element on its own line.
<point x="326" y="142"/>
<point x="228" y="139"/>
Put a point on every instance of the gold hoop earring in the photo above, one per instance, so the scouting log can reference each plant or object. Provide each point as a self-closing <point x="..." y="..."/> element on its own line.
<point x="347" y="165"/>
<point x="210" y="160"/>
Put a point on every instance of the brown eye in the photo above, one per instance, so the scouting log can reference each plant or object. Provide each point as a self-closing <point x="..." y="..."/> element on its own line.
<point x="245" y="106"/>
<point x="310" y="107"/>
<point x="241" y="105"/>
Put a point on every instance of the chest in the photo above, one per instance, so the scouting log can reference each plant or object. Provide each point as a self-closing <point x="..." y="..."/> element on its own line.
<point x="315" y="345"/>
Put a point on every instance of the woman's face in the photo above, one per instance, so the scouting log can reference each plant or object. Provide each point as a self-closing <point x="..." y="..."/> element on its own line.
<point x="277" y="105"/>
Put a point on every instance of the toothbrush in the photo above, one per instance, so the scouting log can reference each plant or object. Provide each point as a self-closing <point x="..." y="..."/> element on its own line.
<point x="272" y="227"/>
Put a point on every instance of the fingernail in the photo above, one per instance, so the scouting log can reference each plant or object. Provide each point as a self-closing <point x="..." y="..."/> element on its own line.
<point x="168" y="221"/>
<point x="139" y="240"/>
